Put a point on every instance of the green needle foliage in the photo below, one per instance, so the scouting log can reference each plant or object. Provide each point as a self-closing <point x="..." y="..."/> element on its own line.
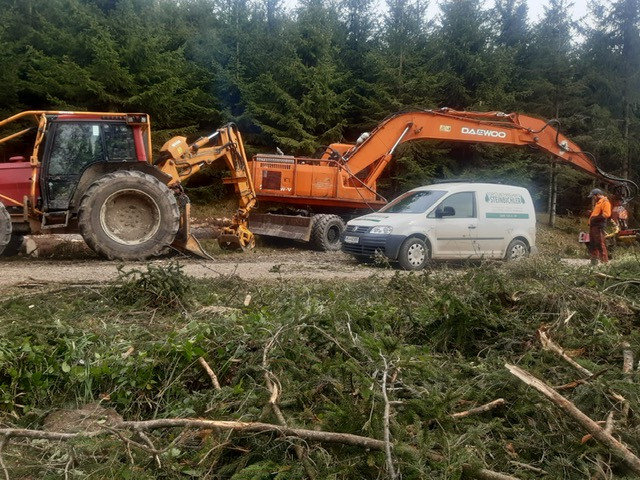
<point x="446" y="334"/>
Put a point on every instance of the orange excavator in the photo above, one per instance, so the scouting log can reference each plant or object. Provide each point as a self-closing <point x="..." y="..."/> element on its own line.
<point x="316" y="195"/>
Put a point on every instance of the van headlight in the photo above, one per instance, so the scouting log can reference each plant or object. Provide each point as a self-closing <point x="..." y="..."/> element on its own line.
<point x="381" y="230"/>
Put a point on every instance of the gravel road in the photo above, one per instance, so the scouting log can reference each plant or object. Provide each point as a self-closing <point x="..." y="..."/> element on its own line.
<point x="251" y="266"/>
<point x="75" y="263"/>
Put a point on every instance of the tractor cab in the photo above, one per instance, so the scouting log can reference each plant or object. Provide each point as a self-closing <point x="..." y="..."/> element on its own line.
<point x="79" y="147"/>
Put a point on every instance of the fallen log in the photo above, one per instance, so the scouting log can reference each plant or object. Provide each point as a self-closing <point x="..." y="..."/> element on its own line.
<point x="597" y="432"/>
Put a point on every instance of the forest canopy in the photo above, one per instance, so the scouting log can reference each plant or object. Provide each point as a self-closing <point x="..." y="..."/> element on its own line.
<point x="300" y="77"/>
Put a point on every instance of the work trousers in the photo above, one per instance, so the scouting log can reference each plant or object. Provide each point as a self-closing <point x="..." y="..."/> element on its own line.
<point x="597" y="245"/>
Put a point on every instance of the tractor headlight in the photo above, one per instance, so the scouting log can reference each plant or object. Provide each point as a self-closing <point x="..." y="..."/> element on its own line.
<point x="381" y="230"/>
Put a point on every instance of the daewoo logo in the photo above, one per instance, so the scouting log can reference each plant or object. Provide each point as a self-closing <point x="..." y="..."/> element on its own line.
<point x="484" y="133"/>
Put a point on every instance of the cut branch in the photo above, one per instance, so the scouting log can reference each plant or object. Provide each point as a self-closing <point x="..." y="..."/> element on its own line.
<point x="627" y="371"/>
<point x="598" y="433"/>
<point x="387" y="413"/>
<point x="550" y="345"/>
<point x="3" y="442"/>
<point x="273" y="385"/>
<point x="627" y="360"/>
<point x="211" y="373"/>
<point x="482" y="408"/>
<point x="484" y="474"/>
<point x="253" y="427"/>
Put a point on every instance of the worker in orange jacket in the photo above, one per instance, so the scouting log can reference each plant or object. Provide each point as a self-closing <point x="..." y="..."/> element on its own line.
<point x="597" y="222"/>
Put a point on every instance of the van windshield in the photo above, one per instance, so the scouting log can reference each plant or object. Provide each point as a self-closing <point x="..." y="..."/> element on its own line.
<point x="414" y="202"/>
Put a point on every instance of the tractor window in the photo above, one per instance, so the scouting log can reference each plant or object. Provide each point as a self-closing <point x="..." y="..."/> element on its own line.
<point x="118" y="139"/>
<point x="75" y="146"/>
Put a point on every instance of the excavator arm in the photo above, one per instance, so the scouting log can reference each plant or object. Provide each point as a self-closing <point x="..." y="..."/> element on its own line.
<point x="367" y="159"/>
<point x="181" y="160"/>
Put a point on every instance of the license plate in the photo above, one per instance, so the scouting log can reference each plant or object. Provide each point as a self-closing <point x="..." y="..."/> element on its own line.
<point x="351" y="239"/>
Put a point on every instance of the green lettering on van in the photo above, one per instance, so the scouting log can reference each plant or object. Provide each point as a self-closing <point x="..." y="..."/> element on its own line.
<point x="502" y="197"/>
<point x="507" y="215"/>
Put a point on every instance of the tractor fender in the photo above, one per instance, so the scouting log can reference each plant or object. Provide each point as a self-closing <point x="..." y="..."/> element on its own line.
<point x="97" y="170"/>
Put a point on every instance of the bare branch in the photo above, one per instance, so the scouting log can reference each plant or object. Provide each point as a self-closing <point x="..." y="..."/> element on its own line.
<point x="252" y="427"/>
<point x="211" y="373"/>
<point x="592" y="427"/>
<point x="484" y="474"/>
<point x="387" y="413"/>
<point x="482" y="408"/>
<point x="550" y="345"/>
<point x="274" y="387"/>
<point x="526" y="466"/>
<point x="3" y="443"/>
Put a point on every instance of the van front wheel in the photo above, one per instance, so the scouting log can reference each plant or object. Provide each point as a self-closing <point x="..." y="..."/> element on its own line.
<point x="413" y="254"/>
<point x="517" y="250"/>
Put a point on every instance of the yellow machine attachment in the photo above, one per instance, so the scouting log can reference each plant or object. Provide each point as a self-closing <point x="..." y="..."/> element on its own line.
<point x="181" y="160"/>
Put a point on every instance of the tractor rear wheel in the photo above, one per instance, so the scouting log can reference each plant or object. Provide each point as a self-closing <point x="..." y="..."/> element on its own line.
<point x="128" y="215"/>
<point x="14" y="246"/>
<point x="326" y="232"/>
<point x="5" y="227"/>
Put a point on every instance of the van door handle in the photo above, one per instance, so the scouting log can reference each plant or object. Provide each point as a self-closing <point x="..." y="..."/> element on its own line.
<point x="473" y="226"/>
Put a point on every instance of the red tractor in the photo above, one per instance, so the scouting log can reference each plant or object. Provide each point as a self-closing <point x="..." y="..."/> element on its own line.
<point x="92" y="173"/>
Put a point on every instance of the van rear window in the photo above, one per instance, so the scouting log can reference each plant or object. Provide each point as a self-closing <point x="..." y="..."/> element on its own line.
<point x="414" y="202"/>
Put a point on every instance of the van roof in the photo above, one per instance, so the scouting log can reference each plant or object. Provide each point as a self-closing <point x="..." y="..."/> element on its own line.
<point x="466" y="185"/>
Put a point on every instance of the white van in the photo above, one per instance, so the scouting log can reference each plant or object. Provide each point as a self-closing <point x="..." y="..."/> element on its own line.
<point x="447" y="221"/>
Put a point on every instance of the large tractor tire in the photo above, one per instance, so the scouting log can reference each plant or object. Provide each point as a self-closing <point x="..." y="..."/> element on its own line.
<point x="5" y="228"/>
<point x="128" y="215"/>
<point x="14" y="246"/>
<point x="326" y="232"/>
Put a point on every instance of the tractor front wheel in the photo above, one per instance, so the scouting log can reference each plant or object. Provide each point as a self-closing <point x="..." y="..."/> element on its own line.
<point x="5" y="228"/>
<point x="128" y="215"/>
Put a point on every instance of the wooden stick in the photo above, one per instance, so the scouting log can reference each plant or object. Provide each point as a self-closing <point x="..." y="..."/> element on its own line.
<point x="484" y="474"/>
<point x="592" y="427"/>
<point x="211" y="373"/>
<point x="481" y="473"/>
<point x="3" y="443"/>
<point x="273" y="385"/>
<point x="550" y="345"/>
<point x="254" y="427"/>
<point x="387" y="413"/>
<point x="627" y="359"/>
<point x="529" y="467"/>
<point x="482" y="408"/>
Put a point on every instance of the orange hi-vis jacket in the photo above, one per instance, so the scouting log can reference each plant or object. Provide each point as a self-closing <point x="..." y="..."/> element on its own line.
<point x="601" y="212"/>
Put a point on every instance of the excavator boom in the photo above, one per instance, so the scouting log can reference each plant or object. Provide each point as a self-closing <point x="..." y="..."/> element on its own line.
<point x="474" y="127"/>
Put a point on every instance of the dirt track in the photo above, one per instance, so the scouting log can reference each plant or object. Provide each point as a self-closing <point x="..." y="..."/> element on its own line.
<point x="251" y="266"/>
<point x="70" y="261"/>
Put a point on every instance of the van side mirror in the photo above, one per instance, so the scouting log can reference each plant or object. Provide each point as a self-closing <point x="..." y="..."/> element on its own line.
<point x="445" y="212"/>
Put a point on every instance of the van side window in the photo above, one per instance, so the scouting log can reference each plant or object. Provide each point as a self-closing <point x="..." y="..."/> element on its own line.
<point x="463" y="205"/>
